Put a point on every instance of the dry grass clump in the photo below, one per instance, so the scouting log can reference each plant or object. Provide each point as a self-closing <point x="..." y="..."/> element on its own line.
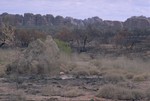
<point x="113" y="78"/>
<point x="85" y="69"/>
<point x="78" y="64"/>
<point x="6" y="57"/>
<point x="2" y="70"/>
<point x="66" y="63"/>
<point x="119" y="93"/>
<point x="82" y="64"/>
<point x="141" y="77"/>
<point x="41" y="57"/>
<point x="127" y="84"/>
<point x="50" y="90"/>
<point x="82" y="57"/>
<point x="116" y="69"/>
<point x="80" y="71"/>
<point x="73" y="92"/>
<point x="63" y="91"/>
<point x="18" y="97"/>
<point x="129" y="76"/>
<point x="135" y="65"/>
<point x="148" y="93"/>
<point x="96" y="63"/>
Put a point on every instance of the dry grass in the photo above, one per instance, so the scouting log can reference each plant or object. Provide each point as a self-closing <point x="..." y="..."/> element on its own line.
<point x="120" y="71"/>
<point x="148" y="93"/>
<point x="119" y="93"/>
<point x="82" y="64"/>
<point x="113" y="69"/>
<point x="132" y="65"/>
<point x="66" y="63"/>
<point x="129" y="76"/>
<point x="7" y="56"/>
<point x="63" y="92"/>
<point x="113" y="78"/>
<point x="141" y="77"/>
<point x="85" y="69"/>
<point x="72" y="92"/>
<point x="135" y="69"/>
<point x="50" y="90"/>
<point x="77" y="64"/>
<point x="18" y="97"/>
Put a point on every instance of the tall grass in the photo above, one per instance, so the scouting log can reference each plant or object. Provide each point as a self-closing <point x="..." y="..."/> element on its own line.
<point x="7" y="56"/>
<point x="122" y="65"/>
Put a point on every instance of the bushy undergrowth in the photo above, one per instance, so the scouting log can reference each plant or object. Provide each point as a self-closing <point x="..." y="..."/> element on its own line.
<point x="120" y="93"/>
<point x="41" y="57"/>
<point x="63" y="46"/>
<point x="113" y="78"/>
<point x="141" y="77"/>
<point x="23" y="37"/>
<point x="63" y="92"/>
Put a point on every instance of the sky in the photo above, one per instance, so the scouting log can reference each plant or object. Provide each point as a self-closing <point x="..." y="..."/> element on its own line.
<point x="81" y="9"/>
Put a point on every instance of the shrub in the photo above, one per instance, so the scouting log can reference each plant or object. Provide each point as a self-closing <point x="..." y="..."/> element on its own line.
<point x="6" y="34"/>
<point x="24" y="36"/>
<point x="41" y="57"/>
<point x="51" y="90"/>
<point x="80" y="71"/>
<point x="63" y="46"/>
<point x="129" y="76"/>
<point x="113" y="78"/>
<point x="72" y="93"/>
<point x="119" y="93"/>
<point x="140" y="78"/>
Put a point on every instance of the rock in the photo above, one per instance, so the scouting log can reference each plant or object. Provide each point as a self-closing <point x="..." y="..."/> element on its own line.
<point x="50" y="19"/>
<point x="59" y="20"/>
<point x="18" y="20"/>
<point x="40" y="20"/>
<point x="140" y="22"/>
<point x="29" y="19"/>
<point x="43" y="20"/>
<point x="41" y="57"/>
<point x="69" y="21"/>
<point x="10" y="18"/>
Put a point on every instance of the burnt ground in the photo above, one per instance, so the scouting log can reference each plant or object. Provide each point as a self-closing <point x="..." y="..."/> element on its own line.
<point x="15" y="88"/>
<point x="49" y="89"/>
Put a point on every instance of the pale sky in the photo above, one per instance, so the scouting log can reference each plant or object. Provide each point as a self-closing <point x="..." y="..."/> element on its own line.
<point x="81" y="9"/>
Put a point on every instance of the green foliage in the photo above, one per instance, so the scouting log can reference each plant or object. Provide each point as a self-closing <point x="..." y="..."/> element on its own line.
<point x="63" y="46"/>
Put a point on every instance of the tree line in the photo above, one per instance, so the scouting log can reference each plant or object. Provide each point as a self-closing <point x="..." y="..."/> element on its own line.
<point x="79" y="38"/>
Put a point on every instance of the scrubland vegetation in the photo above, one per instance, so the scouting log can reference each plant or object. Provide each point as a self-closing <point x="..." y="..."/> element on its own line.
<point x="122" y="78"/>
<point x="75" y="63"/>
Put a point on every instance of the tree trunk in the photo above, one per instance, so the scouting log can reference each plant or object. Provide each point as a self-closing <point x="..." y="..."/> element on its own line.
<point x="83" y="48"/>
